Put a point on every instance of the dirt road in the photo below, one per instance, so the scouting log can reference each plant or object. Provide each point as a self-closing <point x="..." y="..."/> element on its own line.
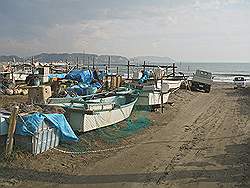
<point x="202" y="141"/>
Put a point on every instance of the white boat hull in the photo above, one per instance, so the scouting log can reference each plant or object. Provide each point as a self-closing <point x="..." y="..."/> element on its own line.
<point x="83" y="122"/>
<point x="173" y="84"/>
<point x="152" y="98"/>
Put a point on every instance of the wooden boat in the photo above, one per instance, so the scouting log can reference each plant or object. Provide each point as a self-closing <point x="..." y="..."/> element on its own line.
<point x="86" y="115"/>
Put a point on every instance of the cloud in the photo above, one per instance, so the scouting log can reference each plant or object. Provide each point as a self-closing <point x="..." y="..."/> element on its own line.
<point x="185" y="30"/>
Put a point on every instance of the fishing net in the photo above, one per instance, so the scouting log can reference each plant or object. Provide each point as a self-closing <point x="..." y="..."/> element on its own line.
<point x="114" y="134"/>
<point x="111" y="135"/>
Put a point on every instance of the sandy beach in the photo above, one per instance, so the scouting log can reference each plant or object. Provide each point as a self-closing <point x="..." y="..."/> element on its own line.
<point x="200" y="141"/>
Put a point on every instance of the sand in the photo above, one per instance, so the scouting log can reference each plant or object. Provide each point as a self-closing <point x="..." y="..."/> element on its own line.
<point x="201" y="140"/>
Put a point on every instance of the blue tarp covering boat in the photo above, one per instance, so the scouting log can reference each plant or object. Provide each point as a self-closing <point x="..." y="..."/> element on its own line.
<point x="50" y="76"/>
<point x="84" y="76"/>
<point x="29" y="125"/>
<point x="86" y="84"/>
<point x="145" y="77"/>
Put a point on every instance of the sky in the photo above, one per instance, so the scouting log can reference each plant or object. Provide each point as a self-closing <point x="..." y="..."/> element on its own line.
<point x="185" y="30"/>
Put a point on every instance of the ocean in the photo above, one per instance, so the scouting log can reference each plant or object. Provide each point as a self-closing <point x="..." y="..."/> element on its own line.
<point x="222" y="72"/>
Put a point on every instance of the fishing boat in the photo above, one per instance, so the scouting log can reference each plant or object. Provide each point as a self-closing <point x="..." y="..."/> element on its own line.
<point x="68" y="99"/>
<point x="152" y="95"/>
<point x="173" y="84"/>
<point x="86" y="115"/>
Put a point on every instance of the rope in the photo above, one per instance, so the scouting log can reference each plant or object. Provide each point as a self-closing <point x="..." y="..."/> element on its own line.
<point x="175" y="90"/>
<point x="94" y="151"/>
<point x="132" y="145"/>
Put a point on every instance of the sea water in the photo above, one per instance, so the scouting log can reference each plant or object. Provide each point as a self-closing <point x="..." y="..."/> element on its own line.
<point x="222" y="72"/>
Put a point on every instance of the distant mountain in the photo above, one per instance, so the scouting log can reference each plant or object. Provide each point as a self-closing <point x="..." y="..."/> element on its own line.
<point x="71" y="57"/>
<point x="85" y="58"/>
<point x="153" y="60"/>
<point x="113" y="59"/>
<point x="10" y="58"/>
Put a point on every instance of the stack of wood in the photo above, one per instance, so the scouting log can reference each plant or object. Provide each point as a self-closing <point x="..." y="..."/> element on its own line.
<point x="113" y="81"/>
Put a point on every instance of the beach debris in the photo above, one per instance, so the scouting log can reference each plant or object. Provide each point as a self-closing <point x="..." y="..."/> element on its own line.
<point x="53" y="110"/>
<point x="9" y="91"/>
<point x="24" y="107"/>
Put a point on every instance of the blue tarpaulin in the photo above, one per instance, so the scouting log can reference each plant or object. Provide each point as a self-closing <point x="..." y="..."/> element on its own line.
<point x="84" y="76"/>
<point x="145" y="77"/>
<point x="29" y="125"/>
<point x="85" y="89"/>
<point x="50" y="76"/>
<point x="86" y="86"/>
<point x="85" y="79"/>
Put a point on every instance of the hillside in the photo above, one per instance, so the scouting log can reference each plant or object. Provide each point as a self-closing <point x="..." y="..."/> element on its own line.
<point x="85" y="58"/>
<point x="10" y="58"/>
<point x="82" y="58"/>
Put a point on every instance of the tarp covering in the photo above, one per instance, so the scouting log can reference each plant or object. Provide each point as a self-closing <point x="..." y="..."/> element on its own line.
<point x="50" y="76"/>
<point x="29" y="125"/>
<point x="85" y="89"/>
<point x="87" y="82"/>
<point x="84" y="76"/>
<point x="145" y="77"/>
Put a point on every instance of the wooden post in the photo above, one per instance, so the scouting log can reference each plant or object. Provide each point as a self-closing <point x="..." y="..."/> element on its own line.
<point x="155" y="80"/>
<point x="128" y="69"/>
<point x="144" y="65"/>
<point x="67" y="66"/>
<point x="83" y="59"/>
<point x="93" y="62"/>
<point x="161" y="95"/>
<point x="111" y="82"/>
<point x="88" y="62"/>
<point x="173" y="69"/>
<point x="11" y="131"/>
<point x="117" y="71"/>
<point x="106" y="69"/>
<point x="77" y="63"/>
<point x="12" y="74"/>
<point x="32" y="65"/>
<point x="109" y="62"/>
